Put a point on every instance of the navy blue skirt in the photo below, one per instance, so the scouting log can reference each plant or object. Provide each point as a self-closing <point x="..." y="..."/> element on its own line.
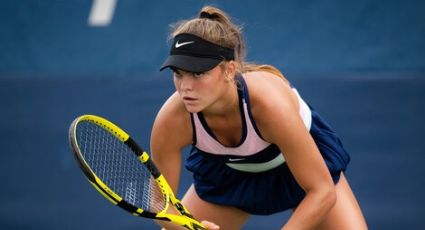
<point x="267" y="192"/>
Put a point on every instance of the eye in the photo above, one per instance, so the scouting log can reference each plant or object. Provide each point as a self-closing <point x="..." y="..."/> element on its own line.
<point x="199" y="75"/>
<point x="176" y="72"/>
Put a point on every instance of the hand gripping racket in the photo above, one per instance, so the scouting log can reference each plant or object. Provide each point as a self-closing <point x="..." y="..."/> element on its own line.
<point x="123" y="173"/>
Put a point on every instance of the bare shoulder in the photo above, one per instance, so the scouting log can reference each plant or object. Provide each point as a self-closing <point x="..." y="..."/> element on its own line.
<point x="272" y="99"/>
<point x="267" y="89"/>
<point x="172" y="124"/>
<point x="264" y="76"/>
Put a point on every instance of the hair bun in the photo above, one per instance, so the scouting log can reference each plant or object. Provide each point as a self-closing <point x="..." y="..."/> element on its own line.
<point x="207" y="15"/>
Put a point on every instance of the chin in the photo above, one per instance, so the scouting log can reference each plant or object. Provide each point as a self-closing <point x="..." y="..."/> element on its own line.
<point x="193" y="109"/>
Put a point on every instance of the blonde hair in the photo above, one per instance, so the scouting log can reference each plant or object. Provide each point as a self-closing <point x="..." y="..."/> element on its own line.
<point x="218" y="28"/>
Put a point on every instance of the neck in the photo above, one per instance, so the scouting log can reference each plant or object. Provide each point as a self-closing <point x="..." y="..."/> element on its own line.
<point x="227" y="104"/>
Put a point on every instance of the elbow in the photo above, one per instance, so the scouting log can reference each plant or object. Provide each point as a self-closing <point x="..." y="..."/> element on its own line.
<point x="329" y="197"/>
<point x="325" y="197"/>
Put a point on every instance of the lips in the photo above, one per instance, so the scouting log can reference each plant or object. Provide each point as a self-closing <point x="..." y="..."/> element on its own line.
<point x="189" y="99"/>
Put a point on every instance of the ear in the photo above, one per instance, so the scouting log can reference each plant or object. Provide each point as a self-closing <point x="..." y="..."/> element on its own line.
<point x="230" y="71"/>
<point x="231" y="68"/>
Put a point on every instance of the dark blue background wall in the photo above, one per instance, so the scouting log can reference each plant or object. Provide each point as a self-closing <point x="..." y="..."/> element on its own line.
<point x="53" y="37"/>
<point x="360" y="63"/>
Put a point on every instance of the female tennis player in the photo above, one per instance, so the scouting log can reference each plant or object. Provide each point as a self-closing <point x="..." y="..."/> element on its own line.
<point x="257" y="147"/>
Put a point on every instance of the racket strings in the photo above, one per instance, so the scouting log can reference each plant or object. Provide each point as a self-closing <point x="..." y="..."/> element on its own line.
<point x="119" y="168"/>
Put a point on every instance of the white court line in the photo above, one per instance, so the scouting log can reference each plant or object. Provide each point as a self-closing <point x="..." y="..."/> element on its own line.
<point x="101" y="12"/>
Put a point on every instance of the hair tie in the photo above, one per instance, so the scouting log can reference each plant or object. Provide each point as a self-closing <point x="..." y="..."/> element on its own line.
<point x="207" y="15"/>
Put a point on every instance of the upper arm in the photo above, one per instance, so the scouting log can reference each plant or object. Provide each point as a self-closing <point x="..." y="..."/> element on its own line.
<point x="278" y="119"/>
<point x="171" y="132"/>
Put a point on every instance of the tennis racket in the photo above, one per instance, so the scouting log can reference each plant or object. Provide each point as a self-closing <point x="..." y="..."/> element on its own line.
<point x="123" y="172"/>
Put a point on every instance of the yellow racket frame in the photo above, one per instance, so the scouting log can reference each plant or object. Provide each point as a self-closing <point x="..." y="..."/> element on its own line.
<point x="185" y="219"/>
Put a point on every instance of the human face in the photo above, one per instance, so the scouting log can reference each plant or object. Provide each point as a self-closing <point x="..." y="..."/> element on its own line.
<point x="200" y="91"/>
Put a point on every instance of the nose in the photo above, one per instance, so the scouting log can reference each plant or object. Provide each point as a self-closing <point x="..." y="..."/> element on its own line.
<point x="186" y="82"/>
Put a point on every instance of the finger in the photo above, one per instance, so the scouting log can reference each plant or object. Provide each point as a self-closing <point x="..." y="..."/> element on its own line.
<point x="210" y="225"/>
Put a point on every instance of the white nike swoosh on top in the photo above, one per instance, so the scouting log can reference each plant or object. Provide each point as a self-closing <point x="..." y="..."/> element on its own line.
<point x="236" y="159"/>
<point x="183" y="43"/>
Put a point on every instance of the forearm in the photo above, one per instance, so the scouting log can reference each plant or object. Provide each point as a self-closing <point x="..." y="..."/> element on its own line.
<point x="312" y="210"/>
